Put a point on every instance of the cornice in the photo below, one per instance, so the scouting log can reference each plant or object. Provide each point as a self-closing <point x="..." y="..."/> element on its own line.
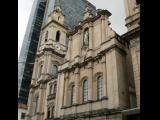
<point x="53" y="52"/>
<point x="92" y="59"/>
<point x="131" y="34"/>
<point x="54" y="21"/>
<point x="89" y="114"/>
<point x="89" y="20"/>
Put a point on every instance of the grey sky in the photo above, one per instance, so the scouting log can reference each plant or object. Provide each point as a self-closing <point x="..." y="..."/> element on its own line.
<point x="116" y="7"/>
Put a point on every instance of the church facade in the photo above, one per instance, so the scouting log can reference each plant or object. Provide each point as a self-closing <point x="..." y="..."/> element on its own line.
<point x="91" y="75"/>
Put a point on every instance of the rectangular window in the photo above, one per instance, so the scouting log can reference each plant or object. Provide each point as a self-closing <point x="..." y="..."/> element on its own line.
<point x="22" y="115"/>
<point x="73" y="96"/>
<point x="85" y="91"/>
<point x="99" y="88"/>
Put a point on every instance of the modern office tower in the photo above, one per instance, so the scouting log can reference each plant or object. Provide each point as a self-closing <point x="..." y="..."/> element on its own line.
<point x="72" y="10"/>
<point x="28" y="52"/>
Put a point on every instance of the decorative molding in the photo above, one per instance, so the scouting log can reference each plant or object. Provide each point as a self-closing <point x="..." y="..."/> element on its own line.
<point x="103" y="59"/>
<point x="89" y="114"/>
<point x="51" y="96"/>
<point x="77" y="70"/>
<point x="88" y="20"/>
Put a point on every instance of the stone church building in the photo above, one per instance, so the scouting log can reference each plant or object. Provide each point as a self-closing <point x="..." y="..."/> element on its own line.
<point x="89" y="72"/>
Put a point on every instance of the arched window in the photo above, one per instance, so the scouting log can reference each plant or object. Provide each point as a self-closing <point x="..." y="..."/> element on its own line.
<point x="73" y="94"/>
<point x="50" y="89"/>
<point x="85" y="90"/>
<point x="99" y="87"/>
<point x="48" y="113"/>
<point x="46" y="36"/>
<point x="58" y="36"/>
<point x="54" y="70"/>
<point x="40" y="71"/>
<point x="36" y="105"/>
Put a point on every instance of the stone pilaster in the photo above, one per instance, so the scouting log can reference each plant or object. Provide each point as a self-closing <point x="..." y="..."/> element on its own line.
<point x="44" y="67"/>
<point x="40" y="101"/>
<point x="66" y="89"/>
<point x="90" y="36"/>
<point x="30" y="105"/>
<point x="69" y="47"/>
<point x="103" y="62"/>
<point x="79" y="39"/>
<point x="49" y="65"/>
<point x="35" y="70"/>
<point x="103" y="30"/>
<point x="77" y="78"/>
<point x="90" y="80"/>
<point x="135" y="52"/>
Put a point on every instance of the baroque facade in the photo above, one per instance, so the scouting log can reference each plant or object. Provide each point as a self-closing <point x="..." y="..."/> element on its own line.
<point x="95" y="76"/>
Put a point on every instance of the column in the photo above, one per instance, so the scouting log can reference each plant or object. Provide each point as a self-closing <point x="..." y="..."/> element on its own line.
<point x="90" y="78"/>
<point x="30" y="104"/>
<point x="49" y="65"/>
<point x="35" y="69"/>
<point x="79" y="41"/>
<point x="44" y="66"/>
<point x="103" y="62"/>
<point x="41" y="97"/>
<point x="35" y="72"/>
<point x="77" y="77"/>
<point x="103" y="30"/>
<point x="66" y="90"/>
<point x="69" y="47"/>
<point x="90" y="35"/>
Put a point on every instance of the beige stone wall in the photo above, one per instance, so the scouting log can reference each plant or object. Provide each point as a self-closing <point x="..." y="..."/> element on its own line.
<point x="97" y="34"/>
<point x="135" y="51"/>
<point x="116" y="80"/>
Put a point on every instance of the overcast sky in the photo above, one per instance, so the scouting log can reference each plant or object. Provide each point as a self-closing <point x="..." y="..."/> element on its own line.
<point x="116" y="7"/>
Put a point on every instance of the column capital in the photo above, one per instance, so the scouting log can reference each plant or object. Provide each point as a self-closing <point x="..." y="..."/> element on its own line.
<point x="31" y="90"/>
<point x="77" y="71"/>
<point x="66" y="76"/>
<point x="103" y="59"/>
<point x="79" y="31"/>
<point x="90" y="24"/>
<point x="90" y="65"/>
<point x="42" y="86"/>
<point x="102" y="17"/>
<point x="70" y="38"/>
<point x="36" y="60"/>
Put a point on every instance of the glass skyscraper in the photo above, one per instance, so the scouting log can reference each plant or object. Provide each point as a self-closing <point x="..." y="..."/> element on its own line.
<point x="73" y="11"/>
<point x="29" y="48"/>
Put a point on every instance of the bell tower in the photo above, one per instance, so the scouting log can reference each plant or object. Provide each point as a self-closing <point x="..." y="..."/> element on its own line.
<point x="132" y="10"/>
<point x="54" y="32"/>
<point x="50" y="54"/>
